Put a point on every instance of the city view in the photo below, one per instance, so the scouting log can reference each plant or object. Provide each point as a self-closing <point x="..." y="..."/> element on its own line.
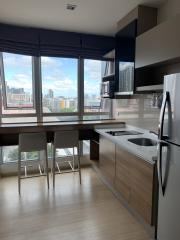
<point x="18" y="98"/>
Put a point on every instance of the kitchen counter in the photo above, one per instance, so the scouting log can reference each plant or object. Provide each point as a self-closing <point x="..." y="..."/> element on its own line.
<point x="148" y="153"/>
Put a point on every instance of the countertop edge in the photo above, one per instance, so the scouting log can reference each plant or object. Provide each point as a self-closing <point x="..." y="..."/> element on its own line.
<point x="125" y="148"/>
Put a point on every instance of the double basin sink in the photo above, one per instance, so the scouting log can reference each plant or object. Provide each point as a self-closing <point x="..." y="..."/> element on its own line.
<point x="138" y="141"/>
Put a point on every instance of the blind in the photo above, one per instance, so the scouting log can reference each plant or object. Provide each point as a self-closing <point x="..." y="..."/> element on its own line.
<point x="42" y="42"/>
<point x="59" y="43"/>
<point x="19" y="40"/>
<point x="94" y="46"/>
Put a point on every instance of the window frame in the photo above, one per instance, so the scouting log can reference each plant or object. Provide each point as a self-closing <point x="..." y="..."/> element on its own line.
<point x="4" y="92"/>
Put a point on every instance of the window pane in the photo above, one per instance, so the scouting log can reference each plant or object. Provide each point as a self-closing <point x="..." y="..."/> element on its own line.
<point x="19" y="120"/>
<point x="60" y="118"/>
<point x="59" y="84"/>
<point x="92" y="85"/>
<point x="18" y="81"/>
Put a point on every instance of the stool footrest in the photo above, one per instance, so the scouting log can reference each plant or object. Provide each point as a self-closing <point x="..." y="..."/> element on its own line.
<point x="70" y="171"/>
<point x="32" y="176"/>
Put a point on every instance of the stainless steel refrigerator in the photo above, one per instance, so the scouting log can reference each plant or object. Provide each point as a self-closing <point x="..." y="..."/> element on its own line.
<point x="168" y="227"/>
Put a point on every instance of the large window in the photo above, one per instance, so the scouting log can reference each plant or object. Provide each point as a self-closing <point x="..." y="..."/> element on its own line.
<point x="59" y="84"/>
<point x="17" y="81"/>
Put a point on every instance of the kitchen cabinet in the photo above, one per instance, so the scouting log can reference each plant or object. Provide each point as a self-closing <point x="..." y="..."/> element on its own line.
<point x="107" y="159"/>
<point x="122" y="179"/>
<point x="124" y="59"/>
<point x="130" y="176"/>
<point x="145" y="16"/>
<point x="159" y="45"/>
<point x="134" y="180"/>
<point x="138" y="21"/>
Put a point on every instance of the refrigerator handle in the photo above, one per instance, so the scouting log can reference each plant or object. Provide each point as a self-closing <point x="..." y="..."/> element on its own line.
<point x="162" y="184"/>
<point x="159" y="167"/>
<point x="161" y="118"/>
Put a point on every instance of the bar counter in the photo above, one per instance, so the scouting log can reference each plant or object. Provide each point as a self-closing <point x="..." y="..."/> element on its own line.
<point x="9" y="132"/>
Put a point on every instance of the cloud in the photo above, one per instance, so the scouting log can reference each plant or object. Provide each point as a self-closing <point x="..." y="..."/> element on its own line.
<point x="59" y="85"/>
<point x="15" y="60"/>
<point x="50" y="62"/>
<point x="91" y="88"/>
<point x="92" y="69"/>
<point x="21" y="81"/>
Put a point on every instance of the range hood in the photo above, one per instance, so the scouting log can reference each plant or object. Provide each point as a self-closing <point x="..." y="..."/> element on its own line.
<point x="150" y="88"/>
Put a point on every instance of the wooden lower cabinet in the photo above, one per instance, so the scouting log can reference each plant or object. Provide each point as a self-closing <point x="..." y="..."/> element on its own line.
<point x="129" y="175"/>
<point x="134" y="179"/>
<point x="107" y="159"/>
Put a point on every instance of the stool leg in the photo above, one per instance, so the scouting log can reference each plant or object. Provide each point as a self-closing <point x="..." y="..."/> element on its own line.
<point x="54" y="160"/>
<point x="73" y="160"/>
<point x="47" y="172"/>
<point x="19" y="172"/>
<point x="79" y="164"/>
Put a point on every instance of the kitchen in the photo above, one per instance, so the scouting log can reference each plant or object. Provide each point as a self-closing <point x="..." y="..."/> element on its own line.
<point x="99" y="112"/>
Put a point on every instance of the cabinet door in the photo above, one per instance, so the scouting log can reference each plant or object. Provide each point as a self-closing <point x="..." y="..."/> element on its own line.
<point x="107" y="159"/>
<point x="134" y="180"/>
<point x="142" y="187"/>
<point x="122" y="180"/>
<point x="158" y="45"/>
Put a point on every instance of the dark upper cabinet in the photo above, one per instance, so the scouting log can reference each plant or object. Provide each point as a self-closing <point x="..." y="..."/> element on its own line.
<point x="124" y="59"/>
<point x="136" y="23"/>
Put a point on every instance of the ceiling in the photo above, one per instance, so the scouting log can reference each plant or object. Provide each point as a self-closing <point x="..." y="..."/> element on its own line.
<point x="90" y="16"/>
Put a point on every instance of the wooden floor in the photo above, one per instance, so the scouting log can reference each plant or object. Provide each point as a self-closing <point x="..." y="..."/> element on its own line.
<point x="71" y="212"/>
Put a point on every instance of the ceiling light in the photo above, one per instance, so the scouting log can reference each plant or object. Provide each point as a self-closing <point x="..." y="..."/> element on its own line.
<point x="71" y="6"/>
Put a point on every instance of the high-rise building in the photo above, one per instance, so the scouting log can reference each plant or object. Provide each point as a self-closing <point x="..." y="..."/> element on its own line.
<point x="50" y="93"/>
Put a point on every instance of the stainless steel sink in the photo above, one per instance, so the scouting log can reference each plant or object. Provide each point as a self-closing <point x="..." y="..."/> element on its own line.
<point x="143" y="141"/>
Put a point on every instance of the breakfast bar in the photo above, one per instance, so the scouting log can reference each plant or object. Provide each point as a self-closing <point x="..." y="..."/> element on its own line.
<point x="9" y="133"/>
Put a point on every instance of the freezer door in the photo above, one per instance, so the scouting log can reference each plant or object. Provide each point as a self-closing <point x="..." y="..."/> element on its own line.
<point x="171" y="123"/>
<point x="169" y="200"/>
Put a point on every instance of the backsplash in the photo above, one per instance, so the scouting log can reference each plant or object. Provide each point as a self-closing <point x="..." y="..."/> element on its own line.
<point x="139" y="110"/>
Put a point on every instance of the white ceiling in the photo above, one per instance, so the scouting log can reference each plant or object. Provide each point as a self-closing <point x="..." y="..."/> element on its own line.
<point x="90" y="16"/>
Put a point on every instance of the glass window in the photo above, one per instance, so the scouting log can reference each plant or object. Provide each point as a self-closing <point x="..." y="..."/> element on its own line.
<point x="18" y="82"/>
<point x="10" y="154"/>
<point x="92" y="85"/>
<point x="59" y="84"/>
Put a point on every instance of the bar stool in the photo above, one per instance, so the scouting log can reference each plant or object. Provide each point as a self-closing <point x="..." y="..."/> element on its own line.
<point x="30" y="142"/>
<point x="64" y="140"/>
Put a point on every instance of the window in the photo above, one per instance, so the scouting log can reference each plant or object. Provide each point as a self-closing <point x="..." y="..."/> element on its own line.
<point x="17" y="83"/>
<point x="59" y="85"/>
<point x="92" y="85"/>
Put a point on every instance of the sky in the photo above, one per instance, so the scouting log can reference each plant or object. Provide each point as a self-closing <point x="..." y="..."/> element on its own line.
<point x="58" y="74"/>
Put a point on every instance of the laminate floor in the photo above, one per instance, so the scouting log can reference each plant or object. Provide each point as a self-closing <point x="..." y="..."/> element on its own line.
<point x="71" y="212"/>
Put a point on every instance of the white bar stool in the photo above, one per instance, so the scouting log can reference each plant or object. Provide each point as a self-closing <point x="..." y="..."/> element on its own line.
<point x="31" y="142"/>
<point x="64" y="140"/>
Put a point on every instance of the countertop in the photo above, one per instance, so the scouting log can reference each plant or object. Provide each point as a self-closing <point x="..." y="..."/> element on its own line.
<point x="148" y="153"/>
<point x="51" y="126"/>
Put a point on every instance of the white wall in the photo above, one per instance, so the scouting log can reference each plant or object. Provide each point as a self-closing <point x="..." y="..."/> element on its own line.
<point x="169" y="9"/>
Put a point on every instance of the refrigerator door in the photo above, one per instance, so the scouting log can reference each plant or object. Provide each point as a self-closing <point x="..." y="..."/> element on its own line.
<point x="170" y="121"/>
<point x="169" y="200"/>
